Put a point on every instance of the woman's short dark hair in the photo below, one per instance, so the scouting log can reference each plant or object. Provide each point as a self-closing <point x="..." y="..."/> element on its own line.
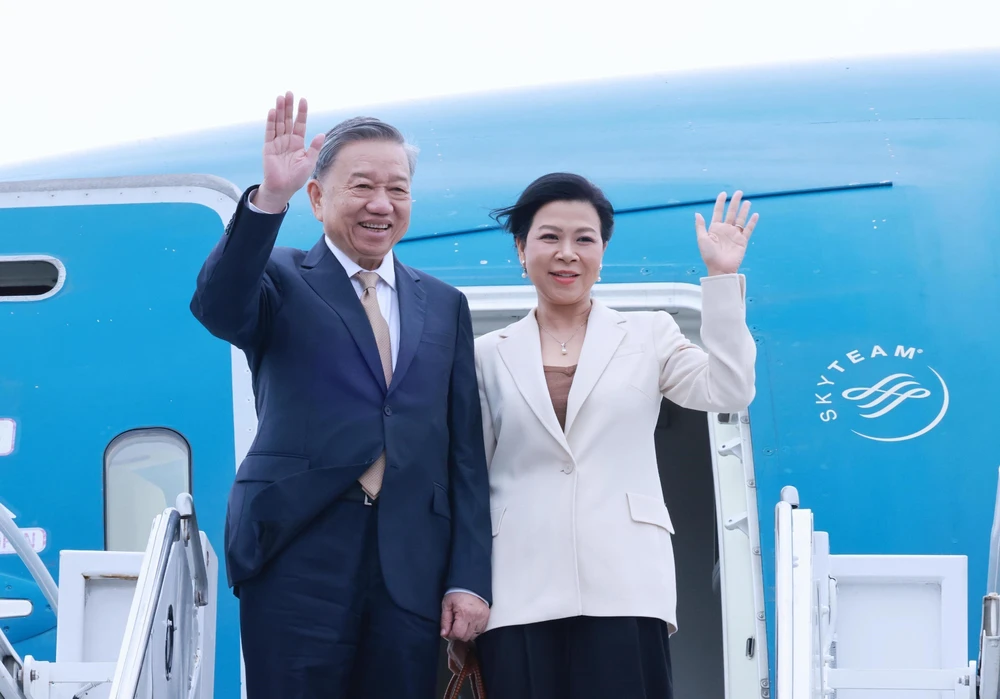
<point x="556" y="186"/>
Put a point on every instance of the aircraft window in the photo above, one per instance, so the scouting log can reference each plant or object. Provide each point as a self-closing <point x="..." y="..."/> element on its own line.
<point x="144" y="472"/>
<point x="30" y="278"/>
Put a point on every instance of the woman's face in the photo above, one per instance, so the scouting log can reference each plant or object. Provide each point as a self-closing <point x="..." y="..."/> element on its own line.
<point x="563" y="250"/>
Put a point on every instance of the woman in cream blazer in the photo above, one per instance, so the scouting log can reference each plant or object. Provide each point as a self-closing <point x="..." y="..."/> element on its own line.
<point x="584" y="594"/>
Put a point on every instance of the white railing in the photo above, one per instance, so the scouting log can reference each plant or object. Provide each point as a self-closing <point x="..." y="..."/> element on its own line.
<point x="191" y="536"/>
<point x="878" y="636"/>
<point x="993" y="571"/>
<point x="989" y="649"/>
<point x="784" y="565"/>
<point x="11" y="665"/>
<point x="11" y="670"/>
<point x="166" y="614"/>
<point x="31" y="559"/>
<point x="167" y="646"/>
<point x="795" y="600"/>
<point x="989" y="633"/>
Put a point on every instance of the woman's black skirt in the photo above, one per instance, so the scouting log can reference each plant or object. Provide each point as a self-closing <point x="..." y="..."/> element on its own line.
<point x="578" y="658"/>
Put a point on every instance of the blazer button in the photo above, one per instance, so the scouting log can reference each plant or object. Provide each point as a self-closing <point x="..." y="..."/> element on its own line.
<point x="387" y="410"/>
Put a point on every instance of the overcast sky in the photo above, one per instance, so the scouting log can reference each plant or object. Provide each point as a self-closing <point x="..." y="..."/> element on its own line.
<point x="79" y="74"/>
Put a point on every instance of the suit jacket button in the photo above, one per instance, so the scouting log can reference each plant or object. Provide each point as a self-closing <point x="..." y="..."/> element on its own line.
<point x="387" y="410"/>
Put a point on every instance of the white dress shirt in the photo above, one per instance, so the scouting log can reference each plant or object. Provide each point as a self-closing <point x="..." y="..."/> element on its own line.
<point x="385" y="291"/>
<point x="388" y="300"/>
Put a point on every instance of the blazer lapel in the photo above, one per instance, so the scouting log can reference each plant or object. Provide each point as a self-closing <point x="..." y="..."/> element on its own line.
<point x="521" y="353"/>
<point x="604" y="334"/>
<point x="412" y="311"/>
<point x="329" y="280"/>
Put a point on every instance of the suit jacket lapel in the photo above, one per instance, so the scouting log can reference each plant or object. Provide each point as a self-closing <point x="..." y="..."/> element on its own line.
<point x="521" y="353"/>
<point x="605" y="333"/>
<point x="412" y="311"/>
<point x="329" y="280"/>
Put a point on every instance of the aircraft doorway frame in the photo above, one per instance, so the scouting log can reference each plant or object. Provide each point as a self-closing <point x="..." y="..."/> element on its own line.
<point x="744" y="629"/>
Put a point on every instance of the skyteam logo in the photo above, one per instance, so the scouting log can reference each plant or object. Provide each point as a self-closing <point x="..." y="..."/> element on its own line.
<point x="881" y="396"/>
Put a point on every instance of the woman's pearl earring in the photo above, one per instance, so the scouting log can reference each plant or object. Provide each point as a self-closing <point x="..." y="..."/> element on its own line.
<point x="599" y="268"/>
<point x="524" y="270"/>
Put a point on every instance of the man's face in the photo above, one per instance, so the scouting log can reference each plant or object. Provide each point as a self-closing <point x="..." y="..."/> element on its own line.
<point x="363" y="200"/>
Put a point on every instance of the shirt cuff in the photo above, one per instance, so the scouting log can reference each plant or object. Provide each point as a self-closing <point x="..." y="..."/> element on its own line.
<point x="468" y="592"/>
<point x="261" y="211"/>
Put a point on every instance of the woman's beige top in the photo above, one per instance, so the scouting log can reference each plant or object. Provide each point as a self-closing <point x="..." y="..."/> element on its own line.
<point x="559" y="379"/>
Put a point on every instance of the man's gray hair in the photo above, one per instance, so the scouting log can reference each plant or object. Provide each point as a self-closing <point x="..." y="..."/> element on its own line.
<point x="361" y="129"/>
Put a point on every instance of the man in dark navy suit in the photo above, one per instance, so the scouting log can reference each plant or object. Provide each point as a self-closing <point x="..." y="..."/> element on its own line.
<point x="358" y="528"/>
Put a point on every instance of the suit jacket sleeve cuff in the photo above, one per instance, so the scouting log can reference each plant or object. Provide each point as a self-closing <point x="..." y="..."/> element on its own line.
<point x="722" y="286"/>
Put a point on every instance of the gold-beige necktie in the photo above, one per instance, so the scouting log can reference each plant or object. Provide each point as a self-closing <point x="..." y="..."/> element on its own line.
<point x="371" y="480"/>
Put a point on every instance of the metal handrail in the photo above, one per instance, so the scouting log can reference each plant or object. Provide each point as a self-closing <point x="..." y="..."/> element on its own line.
<point x="166" y="530"/>
<point x="989" y="653"/>
<point x="11" y="667"/>
<point x="192" y="538"/>
<point x="179" y="523"/>
<point x="784" y="601"/>
<point x="31" y="560"/>
<point x="993" y="571"/>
